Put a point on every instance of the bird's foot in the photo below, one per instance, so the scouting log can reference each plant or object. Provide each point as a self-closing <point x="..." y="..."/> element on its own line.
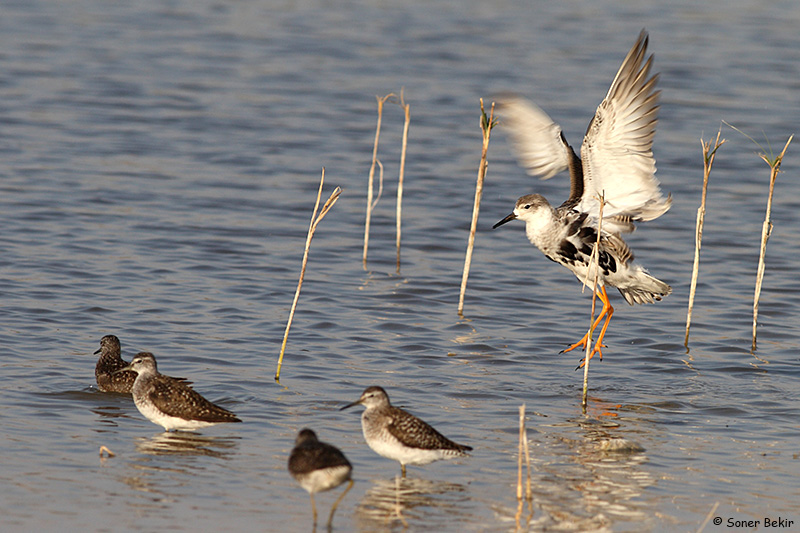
<point x="597" y="350"/>
<point x="582" y="344"/>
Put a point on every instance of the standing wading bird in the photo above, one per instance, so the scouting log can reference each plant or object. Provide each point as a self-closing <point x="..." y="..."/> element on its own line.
<point x="616" y="162"/>
<point x="319" y="466"/>
<point x="171" y="402"/>
<point x="396" y="434"/>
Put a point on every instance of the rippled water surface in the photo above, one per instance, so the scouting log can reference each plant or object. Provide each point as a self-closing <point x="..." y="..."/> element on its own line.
<point x="159" y="166"/>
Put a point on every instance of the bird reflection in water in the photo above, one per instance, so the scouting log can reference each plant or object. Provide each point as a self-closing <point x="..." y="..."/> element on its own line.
<point x="403" y="499"/>
<point x="183" y="443"/>
<point x="154" y="477"/>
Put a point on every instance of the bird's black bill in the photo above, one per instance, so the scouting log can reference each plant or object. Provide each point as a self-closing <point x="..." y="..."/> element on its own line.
<point x="98" y="351"/>
<point x="509" y="218"/>
<point x="123" y="369"/>
<point x="349" y="405"/>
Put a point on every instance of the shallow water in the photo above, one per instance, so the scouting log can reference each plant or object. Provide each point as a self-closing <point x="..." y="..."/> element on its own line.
<point x="159" y="165"/>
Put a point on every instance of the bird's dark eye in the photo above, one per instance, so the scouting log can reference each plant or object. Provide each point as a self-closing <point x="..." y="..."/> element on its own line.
<point x="527" y="206"/>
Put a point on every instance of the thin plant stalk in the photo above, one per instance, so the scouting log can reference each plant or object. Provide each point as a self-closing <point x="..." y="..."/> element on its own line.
<point x="593" y="260"/>
<point x="585" y="393"/>
<point x="104" y="450"/>
<point x="487" y="123"/>
<point x="407" y="109"/>
<point x="523" y="451"/>
<point x="528" y="490"/>
<point x="315" y="220"/>
<point x="380" y="184"/>
<point x="709" y="154"/>
<point x="766" y="229"/>
<point x="519" y="464"/>
<point x="708" y="517"/>
<point x="370" y="204"/>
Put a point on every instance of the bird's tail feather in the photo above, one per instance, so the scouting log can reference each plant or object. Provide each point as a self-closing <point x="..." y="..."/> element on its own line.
<point x="647" y="290"/>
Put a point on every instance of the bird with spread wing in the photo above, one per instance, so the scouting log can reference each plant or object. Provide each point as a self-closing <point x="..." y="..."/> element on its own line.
<point x="616" y="168"/>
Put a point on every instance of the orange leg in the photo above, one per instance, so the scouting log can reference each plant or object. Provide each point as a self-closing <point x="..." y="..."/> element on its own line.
<point x="609" y="310"/>
<point x="606" y="312"/>
<point x="582" y="343"/>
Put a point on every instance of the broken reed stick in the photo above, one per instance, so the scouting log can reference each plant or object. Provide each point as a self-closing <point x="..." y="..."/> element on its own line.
<point x="766" y="229"/>
<point x="520" y="450"/>
<point x="315" y="220"/>
<point x="709" y="154"/>
<point x="594" y="260"/>
<point x="528" y="490"/>
<point x="370" y="205"/>
<point x="523" y="449"/>
<point x="585" y="394"/>
<point x="519" y="464"/>
<point x="487" y="123"/>
<point x="708" y="517"/>
<point x="380" y="184"/>
<point x="407" y="109"/>
<point x="104" y="450"/>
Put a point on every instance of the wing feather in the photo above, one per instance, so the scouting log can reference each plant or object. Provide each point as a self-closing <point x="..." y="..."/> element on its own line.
<point x="416" y="433"/>
<point x="537" y="141"/>
<point x="617" y="151"/>
<point x="177" y="398"/>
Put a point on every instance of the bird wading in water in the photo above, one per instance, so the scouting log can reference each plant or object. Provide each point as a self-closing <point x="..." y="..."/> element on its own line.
<point x="171" y="402"/>
<point x="399" y="435"/>
<point x="319" y="466"/>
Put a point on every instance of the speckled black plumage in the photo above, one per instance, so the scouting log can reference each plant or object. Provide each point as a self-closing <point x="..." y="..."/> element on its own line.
<point x="171" y="402"/>
<point x="110" y="361"/>
<point x="396" y="434"/>
<point x="416" y="433"/>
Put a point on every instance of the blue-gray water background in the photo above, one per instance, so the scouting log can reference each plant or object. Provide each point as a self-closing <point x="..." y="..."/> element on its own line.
<point x="158" y="167"/>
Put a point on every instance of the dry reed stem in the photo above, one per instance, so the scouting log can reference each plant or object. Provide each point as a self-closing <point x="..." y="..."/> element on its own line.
<point x="520" y="502"/>
<point x="105" y="450"/>
<point x="528" y="489"/>
<point x="523" y="449"/>
<point x="766" y="229"/>
<point x="407" y="109"/>
<point x="315" y="220"/>
<point x="520" y="450"/>
<point x="487" y="123"/>
<point x="709" y="154"/>
<point x="593" y="260"/>
<point x="708" y="517"/>
<point x="370" y="205"/>
<point x="380" y="184"/>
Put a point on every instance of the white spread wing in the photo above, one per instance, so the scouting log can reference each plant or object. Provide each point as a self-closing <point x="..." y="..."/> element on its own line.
<point x="617" y="151"/>
<point x="536" y="139"/>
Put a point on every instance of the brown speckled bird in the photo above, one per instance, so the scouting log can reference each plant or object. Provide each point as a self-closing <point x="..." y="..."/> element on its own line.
<point x="110" y="362"/>
<point x="171" y="402"/>
<point x="396" y="434"/>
